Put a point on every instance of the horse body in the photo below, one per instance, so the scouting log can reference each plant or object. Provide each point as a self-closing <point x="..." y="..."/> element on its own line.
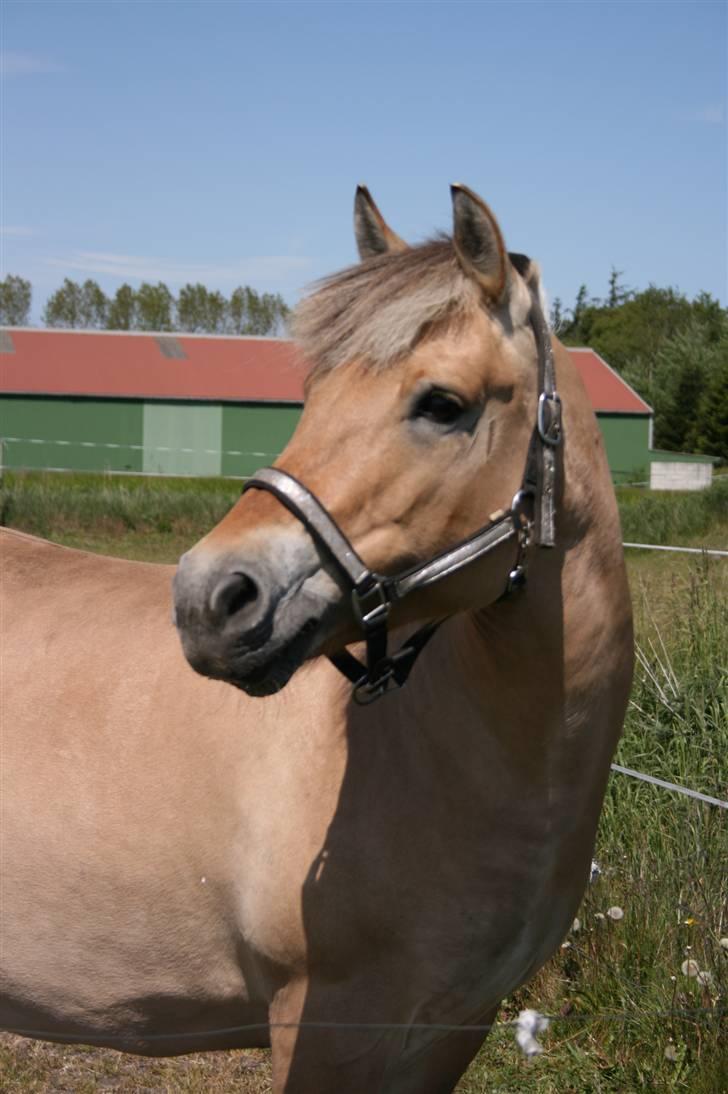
<point x="180" y="858"/>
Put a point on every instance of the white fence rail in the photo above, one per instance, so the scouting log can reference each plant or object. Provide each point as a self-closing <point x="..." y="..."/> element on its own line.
<point x="683" y="550"/>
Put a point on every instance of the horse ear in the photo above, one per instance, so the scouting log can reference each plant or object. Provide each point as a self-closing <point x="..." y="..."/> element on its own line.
<point x="478" y="242"/>
<point x="373" y="234"/>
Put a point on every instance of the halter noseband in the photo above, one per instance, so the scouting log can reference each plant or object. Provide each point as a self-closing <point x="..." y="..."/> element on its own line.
<point x="530" y="519"/>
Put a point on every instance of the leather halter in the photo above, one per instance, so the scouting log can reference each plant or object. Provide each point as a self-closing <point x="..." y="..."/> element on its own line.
<point x="529" y="520"/>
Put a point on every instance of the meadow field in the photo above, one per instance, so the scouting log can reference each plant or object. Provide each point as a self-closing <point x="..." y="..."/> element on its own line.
<point x="639" y="989"/>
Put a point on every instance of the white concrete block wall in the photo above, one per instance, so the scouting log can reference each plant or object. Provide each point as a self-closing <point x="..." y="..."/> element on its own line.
<point x="680" y="476"/>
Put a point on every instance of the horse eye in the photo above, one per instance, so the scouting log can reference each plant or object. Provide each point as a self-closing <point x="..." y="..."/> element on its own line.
<point x="439" y="407"/>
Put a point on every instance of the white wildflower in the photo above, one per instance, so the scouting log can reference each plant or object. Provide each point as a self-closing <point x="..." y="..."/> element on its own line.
<point x="594" y="872"/>
<point x="528" y="1024"/>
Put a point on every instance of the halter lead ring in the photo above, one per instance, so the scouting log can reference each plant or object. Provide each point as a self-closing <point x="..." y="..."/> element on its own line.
<point x="530" y="519"/>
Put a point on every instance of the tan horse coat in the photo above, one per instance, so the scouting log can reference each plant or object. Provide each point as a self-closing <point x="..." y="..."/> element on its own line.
<point x="179" y="858"/>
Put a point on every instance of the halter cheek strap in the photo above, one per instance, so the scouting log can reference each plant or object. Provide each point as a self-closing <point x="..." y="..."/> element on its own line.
<point x="530" y="519"/>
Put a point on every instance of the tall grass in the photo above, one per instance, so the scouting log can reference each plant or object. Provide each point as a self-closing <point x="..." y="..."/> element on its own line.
<point x="673" y="518"/>
<point x="50" y="504"/>
<point x="627" y="1007"/>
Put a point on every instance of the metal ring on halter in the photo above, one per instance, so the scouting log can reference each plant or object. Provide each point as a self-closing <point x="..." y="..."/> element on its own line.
<point x="549" y="432"/>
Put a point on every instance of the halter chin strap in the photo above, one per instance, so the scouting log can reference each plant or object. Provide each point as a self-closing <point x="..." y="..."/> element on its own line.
<point x="530" y="519"/>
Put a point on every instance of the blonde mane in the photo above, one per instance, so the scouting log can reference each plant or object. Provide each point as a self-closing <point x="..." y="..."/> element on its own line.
<point x="378" y="310"/>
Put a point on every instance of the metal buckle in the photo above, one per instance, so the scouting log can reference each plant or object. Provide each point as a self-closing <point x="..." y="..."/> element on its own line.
<point x="375" y="615"/>
<point x="551" y="434"/>
<point x="368" y="691"/>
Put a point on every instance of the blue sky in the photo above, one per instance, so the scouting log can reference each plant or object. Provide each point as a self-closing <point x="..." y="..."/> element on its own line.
<point x="222" y="142"/>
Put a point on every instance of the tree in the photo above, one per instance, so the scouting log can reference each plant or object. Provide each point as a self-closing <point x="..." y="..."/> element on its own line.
<point x="668" y="348"/>
<point x="198" y="309"/>
<point x="557" y="318"/>
<point x="239" y="309"/>
<point x="617" y="293"/>
<point x="153" y="308"/>
<point x="63" y="308"/>
<point x="713" y="426"/>
<point x="154" y="305"/>
<point x="94" y="306"/>
<point x="216" y="313"/>
<point x="122" y="309"/>
<point x="253" y="314"/>
<point x="75" y="305"/>
<point x="15" y="299"/>
<point x="582" y="300"/>
<point x="683" y="374"/>
<point x="676" y="426"/>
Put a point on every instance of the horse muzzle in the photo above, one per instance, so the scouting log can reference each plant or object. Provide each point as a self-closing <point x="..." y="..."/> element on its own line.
<point x="251" y="620"/>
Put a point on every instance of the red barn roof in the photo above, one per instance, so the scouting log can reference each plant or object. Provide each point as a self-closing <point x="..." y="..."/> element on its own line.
<point x="606" y="389"/>
<point x="151" y="366"/>
<point x="131" y="365"/>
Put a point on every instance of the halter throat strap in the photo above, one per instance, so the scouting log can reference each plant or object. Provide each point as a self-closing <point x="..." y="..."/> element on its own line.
<point x="530" y="519"/>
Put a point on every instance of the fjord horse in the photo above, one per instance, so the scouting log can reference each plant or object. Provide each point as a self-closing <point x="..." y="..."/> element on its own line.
<point x="188" y="864"/>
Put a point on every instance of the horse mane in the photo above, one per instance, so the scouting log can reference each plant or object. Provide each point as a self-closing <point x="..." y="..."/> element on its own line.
<point x="378" y="310"/>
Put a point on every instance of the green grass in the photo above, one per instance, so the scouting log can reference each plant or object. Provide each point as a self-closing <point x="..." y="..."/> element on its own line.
<point x="675" y="518"/>
<point x="71" y="507"/>
<point x="664" y="858"/>
<point x="53" y="505"/>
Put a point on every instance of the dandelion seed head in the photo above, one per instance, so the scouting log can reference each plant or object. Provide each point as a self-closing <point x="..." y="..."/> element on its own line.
<point x="576" y="925"/>
<point x="704" y="978"/>
<point x="690" y="968"/>
<point x="600" y="916"/>
<point x="615" y="912"/>
<point x="724" y="943"/>
<point x="670" y="1053"/>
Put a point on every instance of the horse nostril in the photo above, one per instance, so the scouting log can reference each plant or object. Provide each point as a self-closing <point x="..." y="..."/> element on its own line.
<point x="232" y="595"/>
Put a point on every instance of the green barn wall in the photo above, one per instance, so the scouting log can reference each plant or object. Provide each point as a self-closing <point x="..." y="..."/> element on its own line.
<point x="254" y="435"/>
<point x="230" y="439"/>
<point x="627" y="441"/>
<point x="82" y="426"/>
<point x="132" y="435"/>
<point x="182" y="438"/>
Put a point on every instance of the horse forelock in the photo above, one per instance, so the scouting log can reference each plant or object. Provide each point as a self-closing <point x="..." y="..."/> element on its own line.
<point x="379" y="310"/>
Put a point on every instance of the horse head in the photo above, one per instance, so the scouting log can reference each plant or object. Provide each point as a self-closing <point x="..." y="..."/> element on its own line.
<point x="419" y="413"/>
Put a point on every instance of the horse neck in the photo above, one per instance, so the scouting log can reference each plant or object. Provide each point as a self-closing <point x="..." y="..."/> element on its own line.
<point x="505" y="672"/>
